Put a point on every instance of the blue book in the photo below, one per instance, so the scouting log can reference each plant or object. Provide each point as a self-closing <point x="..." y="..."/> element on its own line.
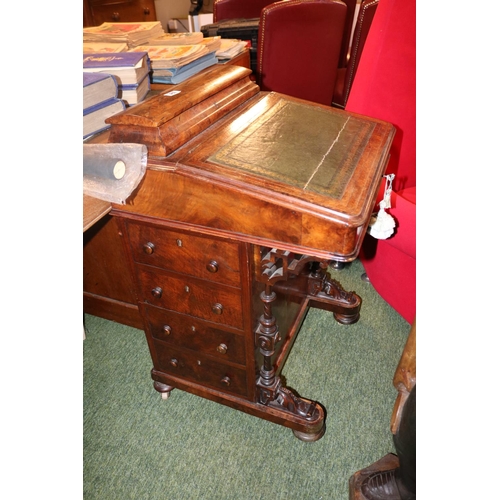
<point x="98" y="87"/>
<point x="186" y="67"/>
<point x="184" y="72"/>
<point x="127" y="67"/>
<point x="94" y="118"/>
<point x="132" y="94"/>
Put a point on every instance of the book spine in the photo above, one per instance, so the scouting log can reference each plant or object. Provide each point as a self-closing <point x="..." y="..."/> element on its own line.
<point x="113" y="60"/>
<point x="107" y="102"/>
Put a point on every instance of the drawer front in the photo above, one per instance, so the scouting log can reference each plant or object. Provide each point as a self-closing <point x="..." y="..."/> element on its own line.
<point x="206" y="258"/>
<point x="189" y="333"/>
<point x="187" y="295"/>
<point x="200" y="369"/>
<point x="123" y="12"/>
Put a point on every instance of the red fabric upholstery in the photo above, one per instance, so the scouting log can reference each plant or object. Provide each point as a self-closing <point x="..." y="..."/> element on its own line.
<point x="298" y="48"/>
<point x="249" y="9"/>
<point x="385" y="88"/>
<point x="238" y="9"/>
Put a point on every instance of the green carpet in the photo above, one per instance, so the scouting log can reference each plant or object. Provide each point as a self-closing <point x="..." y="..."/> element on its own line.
<point x="138" y="446"/>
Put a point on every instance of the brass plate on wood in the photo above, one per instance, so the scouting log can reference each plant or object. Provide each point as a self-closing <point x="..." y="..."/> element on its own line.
<point x="273" y="146"/>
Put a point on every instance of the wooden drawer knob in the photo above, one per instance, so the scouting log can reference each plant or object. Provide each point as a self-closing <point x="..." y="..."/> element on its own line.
<point x="222" y="348"/>
<point x="217" y="308"/>
<point x="157" y="292"/>
<point x="226" y="381"/>
<point x="115" y="16"/>
<point x="167" y="330"/>
<point x="149" y="248"/>
<point x="146" y="11"/>
<point x="213" y="266"/>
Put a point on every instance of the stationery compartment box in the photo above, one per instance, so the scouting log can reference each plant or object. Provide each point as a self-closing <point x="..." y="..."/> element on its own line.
<point x="240" y="29"/>
<point x="167" y="121"/>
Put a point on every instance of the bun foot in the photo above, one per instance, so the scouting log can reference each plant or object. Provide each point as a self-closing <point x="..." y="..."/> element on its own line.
<point x="310" y="437"/>
<point x="164" y="389"/>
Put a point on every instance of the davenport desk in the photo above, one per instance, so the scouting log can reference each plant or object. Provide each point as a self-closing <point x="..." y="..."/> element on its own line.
<point x="247" y="198"/>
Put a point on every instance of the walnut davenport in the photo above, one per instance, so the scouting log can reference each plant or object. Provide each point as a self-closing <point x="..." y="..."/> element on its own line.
<point x="247" y="198"/>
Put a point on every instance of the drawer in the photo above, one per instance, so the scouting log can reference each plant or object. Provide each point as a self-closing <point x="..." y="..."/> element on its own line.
<point x="188" y="295"/>
<point x="113" y="11"/>
<point x="200" y="369"/>
<point x="207" y="258"/>
<point x="187" y="332"/>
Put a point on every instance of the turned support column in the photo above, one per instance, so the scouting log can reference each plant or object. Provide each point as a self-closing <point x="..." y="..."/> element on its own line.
<point x="308" y="416"/>
<point x="266" y="336"/>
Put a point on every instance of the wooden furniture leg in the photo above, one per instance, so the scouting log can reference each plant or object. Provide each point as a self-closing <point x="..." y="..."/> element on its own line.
<point x="308" y="281"/>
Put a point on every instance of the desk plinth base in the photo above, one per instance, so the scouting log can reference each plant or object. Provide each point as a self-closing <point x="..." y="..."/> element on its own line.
<point x="306" y="428"/>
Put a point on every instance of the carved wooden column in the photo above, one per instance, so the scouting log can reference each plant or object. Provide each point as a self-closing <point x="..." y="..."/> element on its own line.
<point x="312" y="282"/>
<point x="271" y="391"/>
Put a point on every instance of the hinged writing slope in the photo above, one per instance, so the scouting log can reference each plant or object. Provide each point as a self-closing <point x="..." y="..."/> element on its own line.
<point x="305" y="147"/>
<point x="165" y="122"/>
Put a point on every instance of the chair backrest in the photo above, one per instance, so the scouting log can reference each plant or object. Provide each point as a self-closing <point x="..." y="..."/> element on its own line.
<point x="238" y="9"/>
<point x="298" y="48"/>
<point x="349" y="21"/>
<point x="346" y="76"/>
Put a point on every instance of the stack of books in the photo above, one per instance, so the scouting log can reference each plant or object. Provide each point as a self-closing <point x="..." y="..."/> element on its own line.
<point x="133" y="34"/>
<point x="187" y="38"/>
<point x="230" y="48"/>
<point x="175" y="63"/>
<point x="100" y="101"/>
<point x="93" y="47"/>
<point x="131" y="70"/>
<point x="195" y="38"/>
<point x="212" y="43"/>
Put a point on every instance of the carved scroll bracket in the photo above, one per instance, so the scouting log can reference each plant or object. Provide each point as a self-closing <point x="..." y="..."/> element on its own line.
<point x="289" y="274"/>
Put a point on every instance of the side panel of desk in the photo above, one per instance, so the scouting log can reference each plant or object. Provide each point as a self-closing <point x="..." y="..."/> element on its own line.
<point x="108" y="287"/>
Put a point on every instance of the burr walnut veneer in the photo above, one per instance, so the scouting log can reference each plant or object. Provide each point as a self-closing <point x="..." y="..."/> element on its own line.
<point x="247" y="198"/>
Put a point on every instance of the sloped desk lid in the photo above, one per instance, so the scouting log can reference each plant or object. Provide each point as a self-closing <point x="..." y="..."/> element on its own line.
<point x="300" y="145"/>
<point x="307" y="155"/>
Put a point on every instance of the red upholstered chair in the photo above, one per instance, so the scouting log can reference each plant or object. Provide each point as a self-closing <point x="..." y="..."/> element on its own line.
<point x="238" y="9"/>
<point x="250" y="9"/>
<point x="385" y="88"/>
<point x="345" y="76"/>
<point x="298" y="48"/>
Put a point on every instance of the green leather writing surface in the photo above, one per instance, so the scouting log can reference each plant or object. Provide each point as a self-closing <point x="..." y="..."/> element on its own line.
<point x="300" y="145"/>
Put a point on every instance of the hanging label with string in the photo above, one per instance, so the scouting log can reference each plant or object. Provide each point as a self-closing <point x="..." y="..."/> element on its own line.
<point x="382" y="224"/>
